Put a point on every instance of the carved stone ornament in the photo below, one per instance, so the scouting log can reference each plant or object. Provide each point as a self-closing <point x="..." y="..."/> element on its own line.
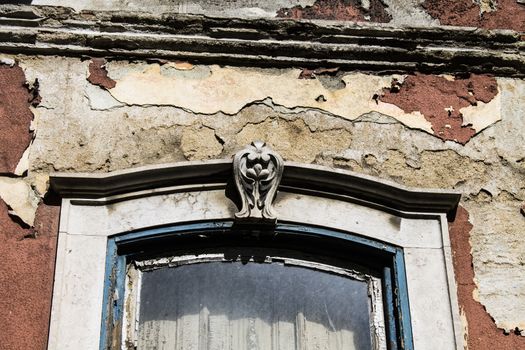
<point x="257" y="171"/>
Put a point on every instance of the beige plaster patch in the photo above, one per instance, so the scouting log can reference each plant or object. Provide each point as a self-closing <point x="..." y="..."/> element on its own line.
<point x="483" y="114"/>
<point x="464" y="326"/>
<point x="23" y="163"/>
<point x="293" y="139"/>
<point x="228" y="90"/>
<point x="181" y="65"/>
<point x="40" y="183"/>
<point x="486" y="5"/>
<point x="20" y="198"/>
<point x="199" y="143"/>
<point x="498" y="258"/>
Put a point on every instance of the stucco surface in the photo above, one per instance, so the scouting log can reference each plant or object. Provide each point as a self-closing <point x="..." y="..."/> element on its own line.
<point x="419" y="127"/>
<point x="222" y="89"/>
<point x="498" y="261"/>
<point x="230" y="8"/>
<point x="27" y="257"/>
<point x="480" y="331"/>
<point x="501" y="14"/>
<point x="28" y="226"/>
<point x="492" y="14"/>
<point x="158" y="113"/>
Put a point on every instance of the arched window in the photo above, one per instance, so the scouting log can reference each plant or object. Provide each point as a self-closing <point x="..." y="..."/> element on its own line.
<point x="213" y="285"/>
<point x="160" y="257"/>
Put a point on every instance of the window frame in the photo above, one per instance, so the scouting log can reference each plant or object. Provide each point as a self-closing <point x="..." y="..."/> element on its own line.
<point x="122" y="249"/>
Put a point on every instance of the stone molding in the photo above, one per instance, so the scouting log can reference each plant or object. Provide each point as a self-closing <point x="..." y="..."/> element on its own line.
<point x="297" y="178"/>
<point x="261" y="42"/>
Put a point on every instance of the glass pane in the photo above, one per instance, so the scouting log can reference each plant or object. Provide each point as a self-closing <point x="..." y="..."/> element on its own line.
<point x="270" y="306"/>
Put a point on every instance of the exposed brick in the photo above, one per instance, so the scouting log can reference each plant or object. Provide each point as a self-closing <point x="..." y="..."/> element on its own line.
<point x="15" y="116"/>
<point x="98" y="74"/>
<point x="509" y="14"/>
<point x="341" y="10"/>
<point x="440" y="100"/>
<point x="27" y="257"/>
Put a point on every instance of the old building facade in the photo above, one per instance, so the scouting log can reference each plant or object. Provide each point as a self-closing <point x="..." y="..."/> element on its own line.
<point x="109" y="108"/>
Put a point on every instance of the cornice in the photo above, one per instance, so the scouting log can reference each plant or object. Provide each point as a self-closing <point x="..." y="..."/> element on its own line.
<point x="297" y="178"/>
<point x="41" y="30"/>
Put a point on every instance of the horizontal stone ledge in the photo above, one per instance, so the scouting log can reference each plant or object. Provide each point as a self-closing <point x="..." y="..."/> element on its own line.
<point x="297" y="178"/>
<point x="261" y="42"/>
<point x="176" y="23"/>
<point x="209" y="51"/>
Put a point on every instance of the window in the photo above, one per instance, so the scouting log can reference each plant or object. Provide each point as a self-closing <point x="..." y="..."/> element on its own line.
<point x="213" y="286"/>
<point x="121" y="227"/>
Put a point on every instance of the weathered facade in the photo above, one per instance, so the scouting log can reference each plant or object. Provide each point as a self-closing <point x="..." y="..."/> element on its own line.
<point x="426" y="94"/>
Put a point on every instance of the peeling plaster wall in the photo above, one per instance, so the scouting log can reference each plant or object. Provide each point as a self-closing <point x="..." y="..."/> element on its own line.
<point x="340" y="10"/>
<point x="15" y="115"/>
<point x="99" y="114"/>
<point x="480" y="331"/>
<point x="173" y="112"/>
<point x="28" y="222"/>
<point x="492" y="14"/>
<point x="230" y="8"/>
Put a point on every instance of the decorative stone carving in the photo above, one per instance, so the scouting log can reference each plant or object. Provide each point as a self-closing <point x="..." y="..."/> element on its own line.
<point x="257" y="171"/>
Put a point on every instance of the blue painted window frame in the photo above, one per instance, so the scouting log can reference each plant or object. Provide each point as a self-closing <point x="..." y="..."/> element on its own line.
<point x="395" y="292"/>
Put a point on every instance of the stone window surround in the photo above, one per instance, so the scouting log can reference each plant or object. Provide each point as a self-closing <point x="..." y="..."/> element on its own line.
<point x="97" y="206"/>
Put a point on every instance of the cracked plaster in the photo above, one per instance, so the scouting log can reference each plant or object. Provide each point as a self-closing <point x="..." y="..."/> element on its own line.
<point x="73" y="135"/>
<point x="80" y="127"/>
<point x="403" y="12"/>
<point x="409" y="13"/>
<point x="19" y="99"/>
<point x="442" y="99"/>
<point x="199" y="143"/>
<point x="498" y="257"/>
<point x="231" y="8"/>
<point x="293" y="139"/>
<point x="150" y="86"/>
<point x="347" y="10"/>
